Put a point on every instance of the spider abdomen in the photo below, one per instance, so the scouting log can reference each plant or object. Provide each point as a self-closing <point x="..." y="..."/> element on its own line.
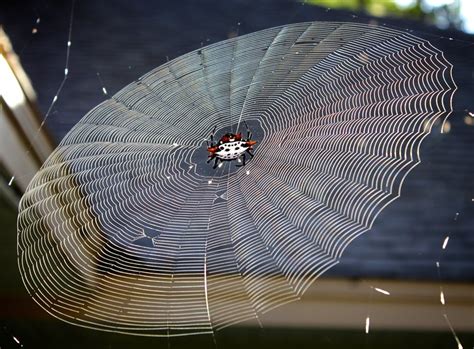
<point x="231" y="150"/>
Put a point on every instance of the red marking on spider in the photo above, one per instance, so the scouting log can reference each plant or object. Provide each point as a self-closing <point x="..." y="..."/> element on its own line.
<point x="230" y="147"/>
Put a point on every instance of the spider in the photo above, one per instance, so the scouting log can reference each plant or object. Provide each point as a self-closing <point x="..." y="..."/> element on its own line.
<point x="230" y="147"/>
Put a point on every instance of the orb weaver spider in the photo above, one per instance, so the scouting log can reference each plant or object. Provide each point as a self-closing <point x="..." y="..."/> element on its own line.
<point x="230" y="147"/>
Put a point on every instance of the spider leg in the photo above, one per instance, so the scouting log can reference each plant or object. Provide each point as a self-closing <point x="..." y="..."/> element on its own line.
<point x="249" y="133"/>
<point x="216" y="162"/>
<point x="249" y="152"/>
<point x="212" y="135"/>
<point x="243" y="161"/>
<point x="211" y="157"/>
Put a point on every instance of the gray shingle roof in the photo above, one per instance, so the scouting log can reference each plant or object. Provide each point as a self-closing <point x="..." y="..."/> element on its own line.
<point x="125" y="40"/>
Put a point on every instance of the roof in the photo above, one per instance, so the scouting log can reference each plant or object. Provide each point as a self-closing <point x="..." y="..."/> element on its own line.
<point x="114" y="45"/>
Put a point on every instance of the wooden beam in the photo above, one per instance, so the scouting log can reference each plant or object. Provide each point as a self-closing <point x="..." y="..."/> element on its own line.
<point x="411" y="305"/>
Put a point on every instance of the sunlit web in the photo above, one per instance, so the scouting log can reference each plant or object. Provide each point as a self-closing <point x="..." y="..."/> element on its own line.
<point x="126" y="227"/>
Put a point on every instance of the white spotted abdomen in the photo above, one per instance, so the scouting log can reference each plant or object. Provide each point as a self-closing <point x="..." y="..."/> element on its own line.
<point x="231" y="150"/>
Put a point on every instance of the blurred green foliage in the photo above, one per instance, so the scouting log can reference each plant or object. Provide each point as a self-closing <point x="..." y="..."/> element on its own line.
<point x="444" y="15"/>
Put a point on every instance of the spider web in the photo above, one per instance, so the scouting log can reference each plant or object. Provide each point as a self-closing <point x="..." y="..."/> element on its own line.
<point x="126" y="228"/>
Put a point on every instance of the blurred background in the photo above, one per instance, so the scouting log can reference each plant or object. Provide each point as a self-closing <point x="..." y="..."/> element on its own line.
<point x="58" y="59"/>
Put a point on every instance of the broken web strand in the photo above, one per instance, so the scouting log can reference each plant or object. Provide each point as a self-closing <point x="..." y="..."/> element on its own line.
<point x="102" y="85"/>
<point x="58" y="91"/>
<point x="458" y="342"/>
<point x="34" y="29"/>
<point x="442" y="296"/>
<point x="66" y="67"/>
<point x="367" y="320"/>
<point x="373" y="289"/>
